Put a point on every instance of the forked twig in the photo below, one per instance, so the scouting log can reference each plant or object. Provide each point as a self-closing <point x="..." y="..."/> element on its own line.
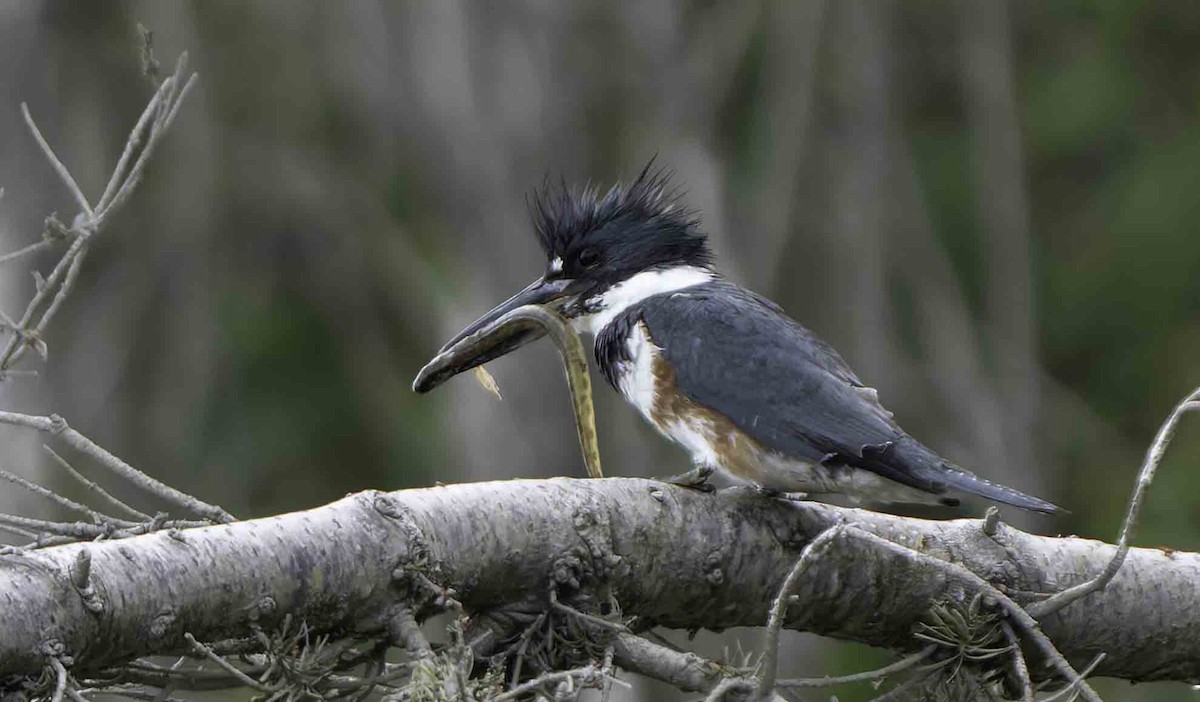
<point x="59" y="499"/>
<point x="1020" y="667"/>
<point x="1154" y="456"/>
<point x="1015" y="612"/>
<point x="156" y="119"/>
<point x="59" y="168"/>
<point x="56" y="425"/>
<point x="770" y="644"/>
<point x="94" y="487"/>
<point x="588" y="675"/>
<point x="225" y="665"/>
<point x="1070" y="689"/>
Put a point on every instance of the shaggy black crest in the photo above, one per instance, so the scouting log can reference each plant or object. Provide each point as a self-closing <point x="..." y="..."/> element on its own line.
<point x="646" y="211"/>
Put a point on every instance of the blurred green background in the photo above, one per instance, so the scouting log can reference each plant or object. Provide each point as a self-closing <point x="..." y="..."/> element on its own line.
<point x="989" y="208"/>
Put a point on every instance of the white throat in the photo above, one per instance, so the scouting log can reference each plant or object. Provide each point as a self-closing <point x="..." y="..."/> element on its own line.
<point x="629" y="292"/>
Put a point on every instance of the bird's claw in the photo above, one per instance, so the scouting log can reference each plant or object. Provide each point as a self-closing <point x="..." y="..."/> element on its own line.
<point x="694" y="479"/>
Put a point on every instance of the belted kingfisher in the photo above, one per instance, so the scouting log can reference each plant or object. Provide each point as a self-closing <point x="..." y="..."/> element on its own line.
<point x="720" y="370"/>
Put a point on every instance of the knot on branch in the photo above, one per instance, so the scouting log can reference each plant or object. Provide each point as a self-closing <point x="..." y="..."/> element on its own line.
<point x="161" y="624"/>
<point x="54" y="230"/>
<point x="57" y="424"/>
<point x="81" y="570"/>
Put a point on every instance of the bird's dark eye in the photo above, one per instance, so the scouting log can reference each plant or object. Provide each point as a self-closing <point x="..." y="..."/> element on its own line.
<point x="589" y="258"/>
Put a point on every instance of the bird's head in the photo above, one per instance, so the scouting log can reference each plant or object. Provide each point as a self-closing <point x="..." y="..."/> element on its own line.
<point x="595" y="243"/>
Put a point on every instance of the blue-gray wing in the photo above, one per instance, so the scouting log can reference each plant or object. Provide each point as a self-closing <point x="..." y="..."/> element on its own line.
<point x="739" y="354"/>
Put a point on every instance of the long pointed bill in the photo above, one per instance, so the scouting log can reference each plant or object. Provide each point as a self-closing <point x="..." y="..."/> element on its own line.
<point x="462" y="353"/>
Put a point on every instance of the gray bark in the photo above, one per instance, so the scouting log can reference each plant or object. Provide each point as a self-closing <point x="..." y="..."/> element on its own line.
<point x="673" y="557"/>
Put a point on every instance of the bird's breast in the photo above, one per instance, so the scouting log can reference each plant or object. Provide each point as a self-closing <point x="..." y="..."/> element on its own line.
<point x="647" y="381"/>
<point x="634" y="371"/>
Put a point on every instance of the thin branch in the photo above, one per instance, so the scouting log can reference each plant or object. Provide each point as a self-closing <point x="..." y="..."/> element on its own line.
<point x="589" y="618"/>
<point x="225" y="665"/>
<point x="866" y="676"/>
<point x="94" y="487"/>
<point x="1015" y="612"/>
<point x="63" y="290"/>
<point x="522" y="646"/>
<point x="131" y="145"/>
<point x="405" y="631"/>
<point x="898" y="692"/>
<point x="58" y="165"/>
<point x="1070" y="689"/>
<point x="729" y="685"/>
<point x="589" y="675"/>
<point x="18" y="531"/>
<point x="60" y="685"/>
<point x="76" y="262"/>
<point x="1154" y="456"/>
<point x="157" y="117"/>
<point x="166" y="112"/>
<point x="59" y="499"/>
<point x="32" y="248"/>
<point x="770" y="644"/>
<point x="60" y="270"/>
<point x="1020" y="667"/>
<point x="75" y="530"/>
<point x="607" y="671"/>
<point x="55" y="424"/>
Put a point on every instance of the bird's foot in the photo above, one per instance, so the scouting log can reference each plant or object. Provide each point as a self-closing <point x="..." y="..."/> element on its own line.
<point x="782" y="495"/>
<point x="695" y="479"/>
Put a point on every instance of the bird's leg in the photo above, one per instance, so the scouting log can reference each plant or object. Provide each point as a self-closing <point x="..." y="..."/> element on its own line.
<point x="696" y="479"/>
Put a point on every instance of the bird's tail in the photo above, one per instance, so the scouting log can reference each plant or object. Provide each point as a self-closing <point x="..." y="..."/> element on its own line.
<point x="935" y="474"/>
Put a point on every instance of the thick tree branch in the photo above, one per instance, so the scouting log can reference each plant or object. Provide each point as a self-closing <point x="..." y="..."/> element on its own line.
<point x="672" y="557"/>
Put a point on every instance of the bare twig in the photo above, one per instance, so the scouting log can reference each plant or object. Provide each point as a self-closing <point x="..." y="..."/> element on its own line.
<point x="156" y="119"/>
<point x="1014" y="611"/>
<point x="770" y="644"/>
<point x="898" y="692"/>
<point x="18" y="531"/>
<point x="60" y="685"/>
<point x="75" y="530"/>
<point x="92" y="486"/>
<point x="131" y="145"/>
<point x="606" y="670"/>
<point x="63" y="290"/>
<point x="519" y="655"/>
<point x="166" y="111"/>
<point x="59" y="499"/>
<point x="589" y="675"/>
<point x="1070" y="689"/>
<point x="226" y="665"/>
<point x="1020" y="667"/>
<point x="32" y="248"/>
<point x="55" y="424"/>
<point x="57" y="164"/>
<point x="60" y="270"/>
<point x="1154" y="456"/>
<point x="728" y="685"/>
<point x="589" y="618"/>
<point x="866" y="676"/>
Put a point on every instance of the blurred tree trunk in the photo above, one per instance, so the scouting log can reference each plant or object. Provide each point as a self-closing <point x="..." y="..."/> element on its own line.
<point x="1004" y="216"/>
